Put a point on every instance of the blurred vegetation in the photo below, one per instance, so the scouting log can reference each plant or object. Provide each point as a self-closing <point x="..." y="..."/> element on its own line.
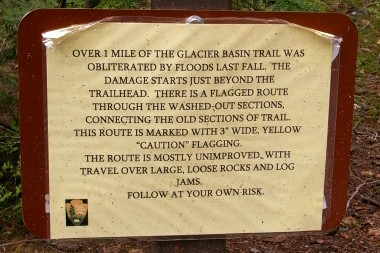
<point x="280" y="5"/>
<point x="365" y="15"/>
<point x="11" y="12"/>
<point x="117" y="4"/>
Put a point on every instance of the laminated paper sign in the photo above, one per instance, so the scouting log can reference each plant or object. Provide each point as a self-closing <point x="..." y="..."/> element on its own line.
<point x="175" y="129"/>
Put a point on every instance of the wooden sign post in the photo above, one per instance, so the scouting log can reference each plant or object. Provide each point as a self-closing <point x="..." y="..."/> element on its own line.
<point x="144" y="125"/>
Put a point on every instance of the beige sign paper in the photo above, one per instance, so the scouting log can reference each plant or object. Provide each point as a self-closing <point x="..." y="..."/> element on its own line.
<point x="176" y="129"/>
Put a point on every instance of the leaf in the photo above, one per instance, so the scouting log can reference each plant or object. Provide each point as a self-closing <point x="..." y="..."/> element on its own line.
<point x="367" y="173"/>
<point x="278" y="238"/>
<point x="374" y="232"/>
<point x="18" y="190"/>
<point x="348" y="221"/>
<point x="320" y="241"/>
<point x="5" y="196"/>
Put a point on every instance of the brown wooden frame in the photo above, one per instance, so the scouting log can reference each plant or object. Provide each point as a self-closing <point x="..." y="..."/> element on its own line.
<point x="32" y="93"/>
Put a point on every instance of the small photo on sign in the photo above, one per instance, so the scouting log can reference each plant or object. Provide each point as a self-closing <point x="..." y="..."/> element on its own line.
<point x="76" y="212"/>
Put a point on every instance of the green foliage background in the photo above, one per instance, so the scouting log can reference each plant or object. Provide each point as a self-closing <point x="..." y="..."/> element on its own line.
<point x="367" y="18"/>
<point x="280" y="5"/>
